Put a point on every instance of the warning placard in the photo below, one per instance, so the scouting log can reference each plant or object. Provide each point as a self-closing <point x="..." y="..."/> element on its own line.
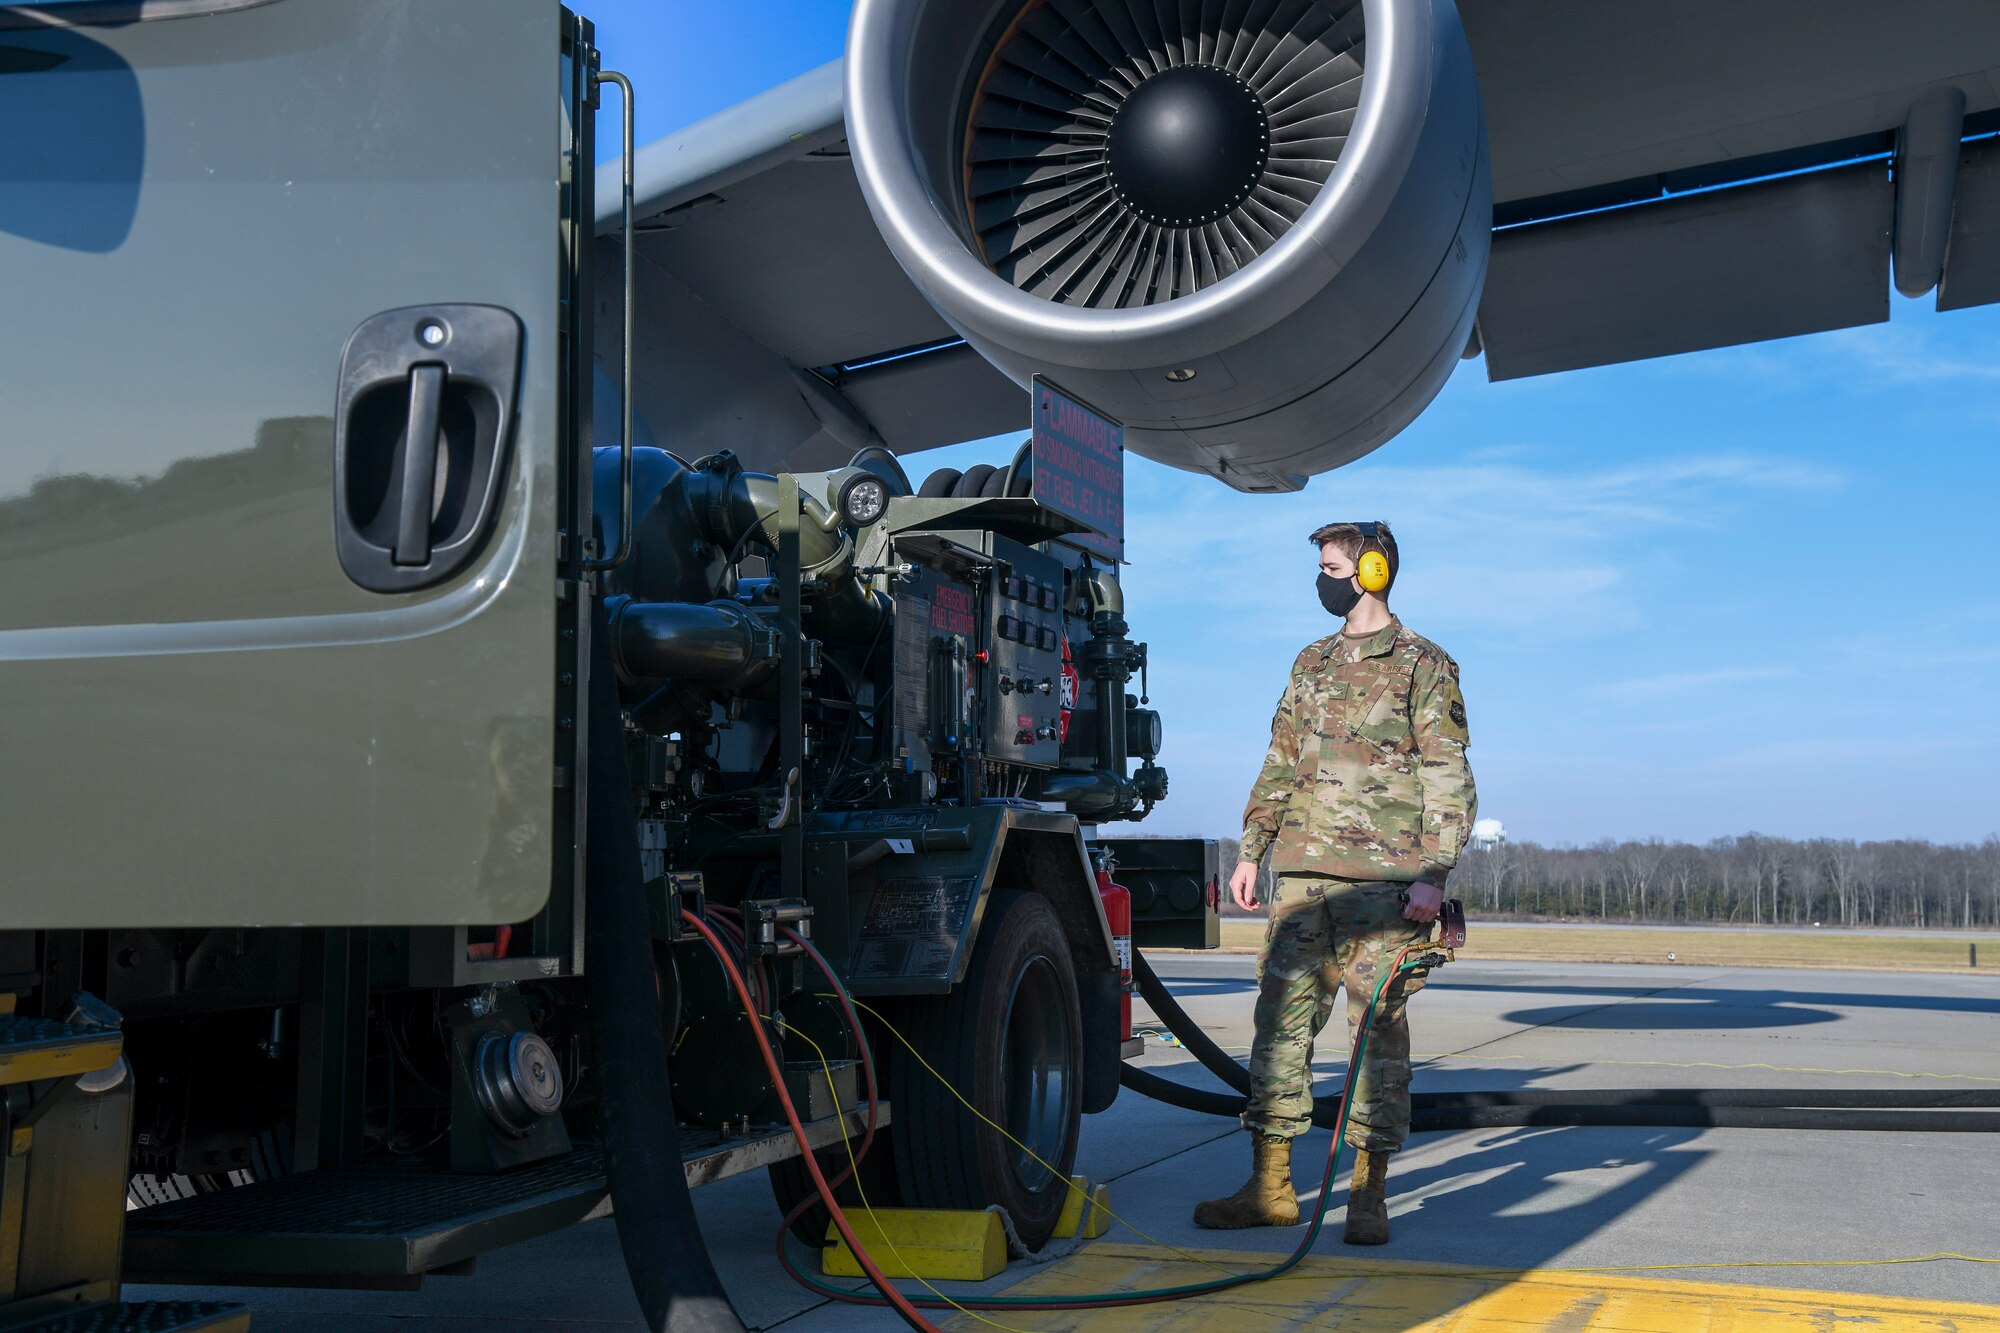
<point x="1080" y="468"/>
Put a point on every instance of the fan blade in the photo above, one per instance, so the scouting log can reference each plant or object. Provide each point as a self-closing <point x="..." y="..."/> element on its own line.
<point x="1222" y="249"/>
<point x="1338" y="75"/>
<point x="1138" y="278"/>
<point x="1267" y="29"/>
<point x="1321" y="113"/>
<point x="1017" y="85"/>
<point x="1291" y="55"/>
<point x="1309" y="159"/>
<point x="995" y="211"/>
<point x="1087" y="22"/>
<point x="1049" y="52"/>
<point x="987" y="180"/>
<point x="1117" y="282"/>
<point x="1036" y="169"/>
<point x="1119" y="19"/>
<point x="1056" y="262"/>
<point x="1086" y="283"/>
<point x="1158" y="37"/>
<point x="1231" y="31"/>
<point x="1264" y="206"/>
<point x="1208" y="31"/>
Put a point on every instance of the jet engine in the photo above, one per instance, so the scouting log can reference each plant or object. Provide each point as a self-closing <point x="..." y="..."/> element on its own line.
<point x="1253" y="230"/>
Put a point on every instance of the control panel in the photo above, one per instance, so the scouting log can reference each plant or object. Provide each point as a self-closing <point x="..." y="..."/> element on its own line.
<point x="1024" y="655"/>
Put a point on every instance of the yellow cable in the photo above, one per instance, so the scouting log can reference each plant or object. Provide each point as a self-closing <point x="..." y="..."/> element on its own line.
<point x="1001" y="1130"/>
<point x="854" y="1166"/>
<point x="1944" y="1255"/>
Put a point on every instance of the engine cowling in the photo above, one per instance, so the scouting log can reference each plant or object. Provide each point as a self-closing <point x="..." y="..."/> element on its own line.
<point x="1253" y="230"/>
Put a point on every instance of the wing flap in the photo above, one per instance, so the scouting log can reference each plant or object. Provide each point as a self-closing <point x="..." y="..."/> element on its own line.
<point x="1972" y="263"/>
<point x="1802" y="254"/>
<point x="937" y="397"/>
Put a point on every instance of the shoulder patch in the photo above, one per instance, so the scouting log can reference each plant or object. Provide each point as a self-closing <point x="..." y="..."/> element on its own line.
<point x="1457" y="711"/>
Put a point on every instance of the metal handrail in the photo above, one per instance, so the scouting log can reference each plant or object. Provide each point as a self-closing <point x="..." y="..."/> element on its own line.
<point x="623" y="551"/>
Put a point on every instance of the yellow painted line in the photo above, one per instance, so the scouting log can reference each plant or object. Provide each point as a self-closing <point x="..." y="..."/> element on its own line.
<point x="1360" y="1296"/>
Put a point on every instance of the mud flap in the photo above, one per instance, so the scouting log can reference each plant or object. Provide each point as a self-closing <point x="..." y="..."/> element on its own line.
<point x="1097" y="995"/>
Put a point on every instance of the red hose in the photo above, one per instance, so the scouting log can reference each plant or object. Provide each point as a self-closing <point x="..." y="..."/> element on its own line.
<point x="901" y="1303"/>
<point x="1107" y="1302"/>
<point x="847" y="1172"/>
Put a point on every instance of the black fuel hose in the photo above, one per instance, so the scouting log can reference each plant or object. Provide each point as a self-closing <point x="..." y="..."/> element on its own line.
<point x="1686" y="1115"/>
<point x="1198" y="1043"/>
<point x="671" y="1274"/>
<point x="1716" y="1108"/>
<point x="1912" y="1110"/>
<point x="1148" y="1084"/>
<point x="1879" y="1099"/>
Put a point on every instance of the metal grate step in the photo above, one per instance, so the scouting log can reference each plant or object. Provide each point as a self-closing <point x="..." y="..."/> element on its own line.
<point x="38" y="1048"/>
<point x="357" y="1222"/>
<point x="380" y="1226"/>
<point x="148" y="1317"/>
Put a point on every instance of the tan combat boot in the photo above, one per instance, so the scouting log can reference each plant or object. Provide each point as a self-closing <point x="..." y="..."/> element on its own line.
<point x="1266" y="1199"/>
<point x="1367" y="1209"/>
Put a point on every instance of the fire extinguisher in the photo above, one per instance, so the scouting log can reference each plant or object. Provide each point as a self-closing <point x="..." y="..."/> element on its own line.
<point x="1118" y="914"/>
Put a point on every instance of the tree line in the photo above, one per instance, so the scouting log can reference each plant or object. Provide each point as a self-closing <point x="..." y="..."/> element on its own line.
<point x="1751" y="879"/>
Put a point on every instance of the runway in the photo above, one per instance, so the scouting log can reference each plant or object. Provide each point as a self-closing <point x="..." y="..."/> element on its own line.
<point x="1832" y="1205"/>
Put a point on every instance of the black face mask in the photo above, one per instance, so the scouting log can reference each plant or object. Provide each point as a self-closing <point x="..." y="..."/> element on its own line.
<point x="1338" y="596"/>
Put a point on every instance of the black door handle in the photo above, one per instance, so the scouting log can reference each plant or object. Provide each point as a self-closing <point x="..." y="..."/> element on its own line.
<point x="423" y="425"/>
<point x="420" y="460"/>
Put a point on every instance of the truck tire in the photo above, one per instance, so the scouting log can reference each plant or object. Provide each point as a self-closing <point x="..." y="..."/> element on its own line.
<point x="1010" y="1039"/>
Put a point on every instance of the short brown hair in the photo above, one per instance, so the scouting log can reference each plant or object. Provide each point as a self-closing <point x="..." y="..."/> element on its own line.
<point x="1349" y="541"/>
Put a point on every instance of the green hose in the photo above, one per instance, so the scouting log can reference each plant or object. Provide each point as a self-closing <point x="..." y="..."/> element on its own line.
<point x="1158" y="1294"/>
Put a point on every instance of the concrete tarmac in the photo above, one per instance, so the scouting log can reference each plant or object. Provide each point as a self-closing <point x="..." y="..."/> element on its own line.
<point x="1725" y="1200"/>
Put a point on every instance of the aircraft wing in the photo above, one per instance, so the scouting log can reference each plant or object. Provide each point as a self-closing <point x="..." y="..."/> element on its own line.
<point x="1666" y="177"/>
<point x="772" y="309"/>
<point x="1670" y="177"/>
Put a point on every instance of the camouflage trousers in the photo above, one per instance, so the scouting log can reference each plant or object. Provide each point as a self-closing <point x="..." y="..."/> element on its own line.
<point x="1327" y="933"/>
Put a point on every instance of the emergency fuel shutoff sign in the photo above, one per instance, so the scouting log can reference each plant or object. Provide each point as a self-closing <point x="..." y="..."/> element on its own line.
<point x="1080" y="468"/>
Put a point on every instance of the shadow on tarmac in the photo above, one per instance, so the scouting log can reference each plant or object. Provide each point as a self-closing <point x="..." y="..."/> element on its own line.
<point x="1770" y="995"/>
<point x="1542" y="1191"/>
<point x="1511" y="1198"/>
<point x="1691" y="1014"/>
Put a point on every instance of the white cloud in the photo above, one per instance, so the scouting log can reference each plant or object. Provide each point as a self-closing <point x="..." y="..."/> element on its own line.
<point x="1685" y="682"/>
<point x="1907" y="354"/>
<point x="1911" y="348"/>
<point x="1487" y="543"/>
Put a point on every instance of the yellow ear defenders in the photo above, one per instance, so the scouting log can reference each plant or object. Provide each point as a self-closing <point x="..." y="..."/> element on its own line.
<point x="1372" y="570"/>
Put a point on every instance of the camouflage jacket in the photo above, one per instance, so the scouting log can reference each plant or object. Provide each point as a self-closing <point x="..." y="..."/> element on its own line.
<point x="1366" y="777"/>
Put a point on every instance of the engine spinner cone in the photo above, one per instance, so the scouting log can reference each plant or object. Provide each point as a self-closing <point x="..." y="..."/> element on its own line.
<point x="1188" y="146"/>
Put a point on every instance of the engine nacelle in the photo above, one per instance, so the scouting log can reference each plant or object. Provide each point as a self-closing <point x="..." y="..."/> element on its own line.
<point x="1255" y="233"/>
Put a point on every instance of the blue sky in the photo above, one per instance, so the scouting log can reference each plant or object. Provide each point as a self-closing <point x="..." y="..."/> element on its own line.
<point x="1755" y="588"/>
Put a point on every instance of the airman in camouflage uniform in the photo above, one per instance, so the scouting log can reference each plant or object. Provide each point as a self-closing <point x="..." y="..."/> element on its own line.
<point x="1365" y="796"/>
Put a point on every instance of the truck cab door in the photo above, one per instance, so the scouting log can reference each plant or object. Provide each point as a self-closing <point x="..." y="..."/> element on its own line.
<point x="282" y="414"/>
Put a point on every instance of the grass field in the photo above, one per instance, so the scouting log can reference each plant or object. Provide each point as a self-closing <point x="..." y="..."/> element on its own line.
<point x="1704" y="947"/>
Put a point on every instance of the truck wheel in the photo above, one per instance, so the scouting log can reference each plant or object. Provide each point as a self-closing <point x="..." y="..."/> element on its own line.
<point x="791" y="1183"/>
<point x="1010" y="1039"/>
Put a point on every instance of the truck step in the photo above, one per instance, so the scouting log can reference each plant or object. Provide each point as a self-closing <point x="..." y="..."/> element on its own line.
<point x="378" y="1226"/>
<point x="348" y="1223"/>
<point x="147" y="1317"/>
